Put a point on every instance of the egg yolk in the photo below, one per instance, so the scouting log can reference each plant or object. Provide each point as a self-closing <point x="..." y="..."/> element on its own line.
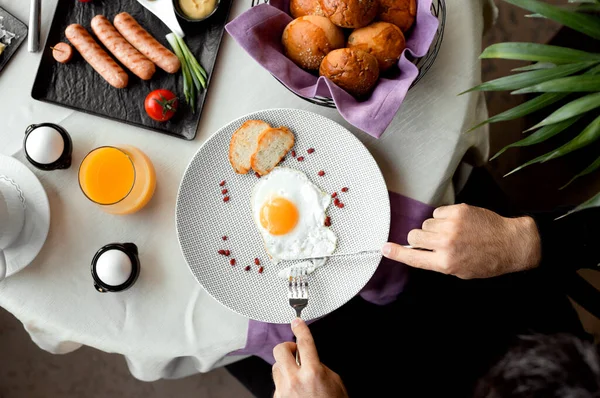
<point x="278" y="216"/>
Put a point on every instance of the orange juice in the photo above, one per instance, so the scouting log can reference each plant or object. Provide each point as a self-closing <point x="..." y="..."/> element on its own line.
<point x="120" y="180"/>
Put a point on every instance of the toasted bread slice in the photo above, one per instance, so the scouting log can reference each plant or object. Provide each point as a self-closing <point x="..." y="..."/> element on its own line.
<point x="273" y="145"/>
<point x="243" y="144"/>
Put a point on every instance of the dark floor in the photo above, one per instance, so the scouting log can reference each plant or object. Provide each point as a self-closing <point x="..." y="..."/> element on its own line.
<point x="28" y="372"/>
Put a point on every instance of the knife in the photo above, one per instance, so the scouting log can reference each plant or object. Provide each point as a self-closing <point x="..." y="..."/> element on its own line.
<point x="35" y="14"/>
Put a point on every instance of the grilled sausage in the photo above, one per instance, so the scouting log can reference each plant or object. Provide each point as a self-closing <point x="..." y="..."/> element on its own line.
<point x="96" y="56"/>
<point x="62" y="52"/>
<point x="121" y="49"/>
<point x="145" y="43"/>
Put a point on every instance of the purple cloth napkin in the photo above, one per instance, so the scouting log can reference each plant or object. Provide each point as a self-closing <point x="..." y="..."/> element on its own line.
<point x="259" y="31"/>
<point x="383" y="288"/>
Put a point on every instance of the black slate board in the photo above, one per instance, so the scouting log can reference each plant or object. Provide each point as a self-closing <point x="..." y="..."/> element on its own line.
<point x="17" y="27"/>
<point x="76" y="85"/>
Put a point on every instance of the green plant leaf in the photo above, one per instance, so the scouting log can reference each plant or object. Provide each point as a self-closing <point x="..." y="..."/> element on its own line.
<point x="586" y="24"/>
<point x="570" y="84"/>
<point x="535" y="104"/>
<point x="591" y="168"/>
<point x="594" y="201"/>
<point x="589" y="7"/>
<point x="573" y="108"/>
<point x="536" y="66"/>
<point x="541" y="135"/>
<point x="527" y="79"/>
<point x="585" y="1"/>
<point x="537" y="53"/>
<point x="535" y="16"/>
<point x="590" y="134"/>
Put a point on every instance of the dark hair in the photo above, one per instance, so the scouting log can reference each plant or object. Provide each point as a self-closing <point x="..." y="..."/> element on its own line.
<point x="545" y="366"/>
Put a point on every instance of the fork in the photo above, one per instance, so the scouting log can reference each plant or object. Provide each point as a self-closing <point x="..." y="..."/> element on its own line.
<point x="298" y="295"/>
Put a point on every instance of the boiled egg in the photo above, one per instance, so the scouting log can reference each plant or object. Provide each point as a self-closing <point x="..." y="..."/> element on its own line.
<point x="44" y="145"/>
<point x="114" y="267"/>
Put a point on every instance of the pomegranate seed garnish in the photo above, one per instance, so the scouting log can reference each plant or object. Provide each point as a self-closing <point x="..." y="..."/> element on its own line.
<point x="321" y="173"/>
<point x="227" y="252"/>
<point x="310" y="150"/>
<point x="256" y="261"/>
<point x="222" y="252"/>
<point x="224" y="238"/>
<point x="283" y="159"/>
<point x="256" y="174"/>
<point x="340" y="205"/>
<point x="293" y="154"/>
<point x="301" y="158"/>
<point x="232" y="261"/>
<point x="222" y="183"/>
<point x="260" y="270"/>
<point x="344" y="189"/>
<point x="247" y="268"/>
<point x="336" y="201"/>
<point x="224" y="191"/>
<point x="327" y="221"/>
<point x="226" y="199"/>
<point x="333" y="195"/>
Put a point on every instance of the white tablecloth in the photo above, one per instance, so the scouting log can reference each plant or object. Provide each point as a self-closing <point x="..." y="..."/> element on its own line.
<point x="167" y="325"/>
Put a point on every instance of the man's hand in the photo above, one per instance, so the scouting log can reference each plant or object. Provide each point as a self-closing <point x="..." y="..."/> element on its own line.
<point x="470" y="242"/>
<point x="312" y="378"/>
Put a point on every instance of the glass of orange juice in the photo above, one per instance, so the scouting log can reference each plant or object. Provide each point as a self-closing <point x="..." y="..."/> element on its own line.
<point x="120" y="180"/>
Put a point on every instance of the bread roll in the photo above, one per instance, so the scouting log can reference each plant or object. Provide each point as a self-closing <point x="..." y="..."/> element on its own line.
<point x="300" y="8"/>
<point x="382" y="40"/>
<point x="307" y="40"/>
<point x="401" y="13"/>
<point x="350" y="13"/>
<point x="355" y="71"/>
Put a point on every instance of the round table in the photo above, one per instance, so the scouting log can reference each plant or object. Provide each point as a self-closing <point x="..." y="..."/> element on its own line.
<point x="167" y="326"/>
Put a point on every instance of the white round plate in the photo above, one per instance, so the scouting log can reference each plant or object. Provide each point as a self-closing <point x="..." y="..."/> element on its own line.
<point x="37" y="215"/>
<point x="203" y="218"/>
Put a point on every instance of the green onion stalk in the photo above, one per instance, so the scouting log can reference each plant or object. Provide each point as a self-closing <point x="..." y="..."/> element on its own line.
<point x="194" y="75"/>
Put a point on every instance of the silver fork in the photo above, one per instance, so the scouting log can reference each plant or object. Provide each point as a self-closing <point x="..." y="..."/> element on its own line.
<point x="298" y="294"/>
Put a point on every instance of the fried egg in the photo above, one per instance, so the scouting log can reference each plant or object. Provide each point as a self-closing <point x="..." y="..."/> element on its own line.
<point x="289" y="212"/>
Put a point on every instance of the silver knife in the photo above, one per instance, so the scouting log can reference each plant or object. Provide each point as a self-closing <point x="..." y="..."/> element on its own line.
<point x="35" y="20"/>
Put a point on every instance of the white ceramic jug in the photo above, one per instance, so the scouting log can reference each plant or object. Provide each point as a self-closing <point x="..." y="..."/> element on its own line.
<point x="12" y="217"/>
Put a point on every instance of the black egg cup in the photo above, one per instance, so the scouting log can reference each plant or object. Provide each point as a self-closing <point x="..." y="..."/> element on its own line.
<point x="132" y="252"/>
<point x="64" y="161"/>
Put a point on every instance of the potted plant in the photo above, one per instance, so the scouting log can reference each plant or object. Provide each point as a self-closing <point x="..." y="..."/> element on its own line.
<point x="557" y="74"/>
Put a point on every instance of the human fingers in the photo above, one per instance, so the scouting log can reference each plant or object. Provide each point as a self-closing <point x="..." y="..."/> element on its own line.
<point x="434" y="224"/>
<point x="413" y="257"/>
<point x="423" y="239"/>
<point x="305" y="343"/>
<point x="284" y="354"/>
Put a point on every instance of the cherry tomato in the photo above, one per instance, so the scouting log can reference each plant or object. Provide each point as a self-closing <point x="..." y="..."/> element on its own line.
<point x="161" y="105"/>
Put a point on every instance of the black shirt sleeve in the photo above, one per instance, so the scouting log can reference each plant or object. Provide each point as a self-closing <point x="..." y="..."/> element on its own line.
<point x="569" y="243"/>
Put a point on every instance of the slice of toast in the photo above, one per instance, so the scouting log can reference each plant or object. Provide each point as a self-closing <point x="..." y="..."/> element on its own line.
<point x="243" y="144"/>
<point x="273" y="145"/>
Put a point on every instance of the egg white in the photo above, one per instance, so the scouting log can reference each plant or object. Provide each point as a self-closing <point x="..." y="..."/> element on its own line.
<point x="310" y="237"/>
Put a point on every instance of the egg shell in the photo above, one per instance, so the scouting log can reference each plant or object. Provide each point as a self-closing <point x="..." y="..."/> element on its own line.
<point x="114" y="267"/>
<point x="45" y="145"/>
